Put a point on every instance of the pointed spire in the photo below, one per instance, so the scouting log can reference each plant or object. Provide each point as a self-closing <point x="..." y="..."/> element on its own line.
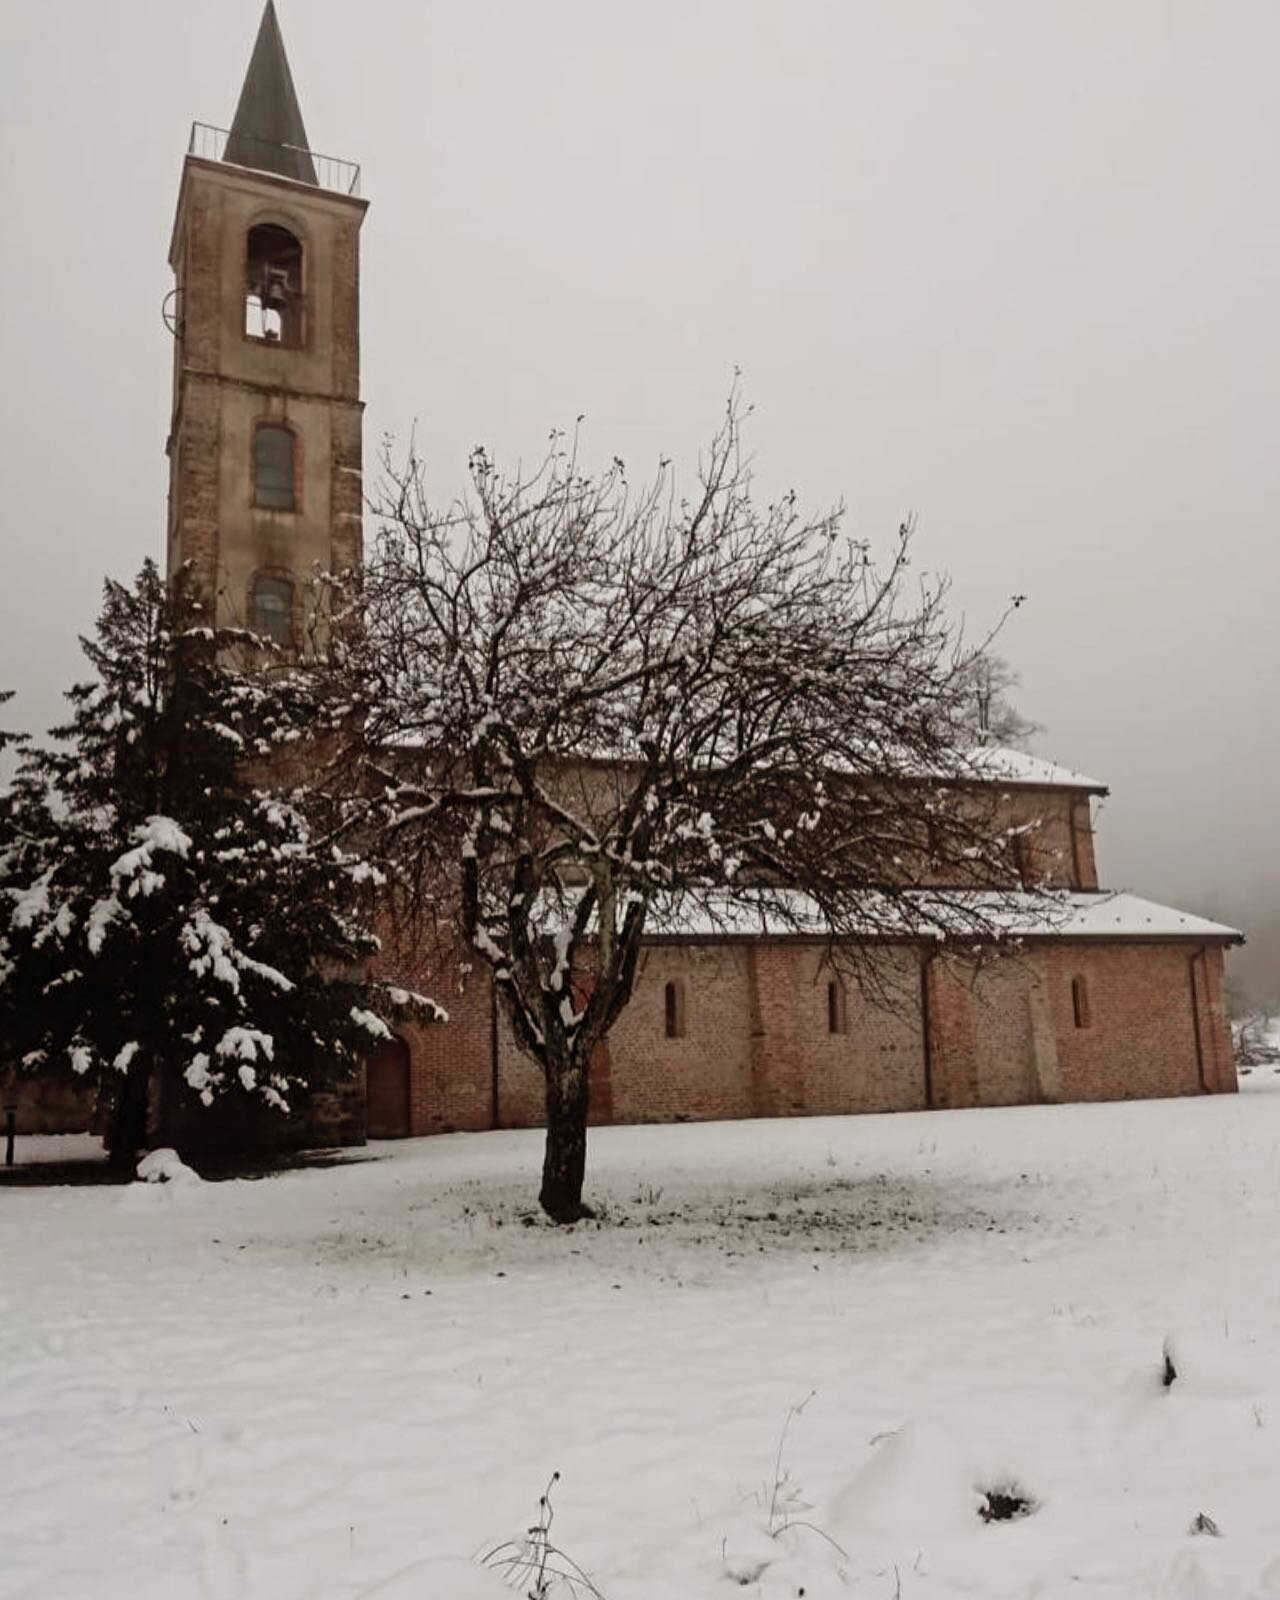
<point x="267" y="132"/>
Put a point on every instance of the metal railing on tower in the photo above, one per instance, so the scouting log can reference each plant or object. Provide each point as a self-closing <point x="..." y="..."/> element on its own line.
<point x="285" y="160"/>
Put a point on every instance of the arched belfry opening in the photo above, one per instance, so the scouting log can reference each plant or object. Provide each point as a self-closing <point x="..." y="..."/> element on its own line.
<point x="273" y="294"/>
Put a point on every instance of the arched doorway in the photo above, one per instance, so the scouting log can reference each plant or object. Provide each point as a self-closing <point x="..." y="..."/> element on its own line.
<point x="387" y="1091"/>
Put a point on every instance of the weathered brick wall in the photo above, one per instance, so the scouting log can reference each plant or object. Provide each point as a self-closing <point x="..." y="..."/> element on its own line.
<point x="1217" y="1052"/>
<point x="1057" y="845"/>
<point x="756" y="1042"/>
<point x="999" y="998"/>
<point x="1141" y="1036"/>
<point x="800" y="1067"/>
<point x="707" y="1073"/>
<point x="757" y="1039"/>
<point x="194" y="484"/>
<point x="1009" y="1034"/>
<point x="47" y="1105"/>
<point x="451" y="1078"/>
<point x="953" y="1059"/>
<point x="1082" y="832"/>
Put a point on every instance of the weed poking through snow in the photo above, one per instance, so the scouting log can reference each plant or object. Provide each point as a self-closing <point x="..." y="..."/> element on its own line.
<point x="535" y="1566"/>
<point x="752" y="1549"/>
<point x="784" y="1496"/>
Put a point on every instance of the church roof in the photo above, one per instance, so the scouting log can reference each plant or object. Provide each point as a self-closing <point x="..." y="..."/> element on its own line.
<point x="1053" y="914"/>
<point x="1002" y="765"/>
<point x="268" y="132"/>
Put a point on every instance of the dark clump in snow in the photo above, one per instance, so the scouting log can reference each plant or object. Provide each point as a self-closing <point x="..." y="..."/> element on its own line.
<point x="1005" y="1504"/>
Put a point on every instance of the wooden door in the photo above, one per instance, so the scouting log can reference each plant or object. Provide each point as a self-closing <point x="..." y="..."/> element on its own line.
<point x="387" y="1091"/>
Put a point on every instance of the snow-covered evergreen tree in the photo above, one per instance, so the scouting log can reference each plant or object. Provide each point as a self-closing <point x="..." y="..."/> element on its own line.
<point x="187" y="923"/>
<point x="14" y="870"/>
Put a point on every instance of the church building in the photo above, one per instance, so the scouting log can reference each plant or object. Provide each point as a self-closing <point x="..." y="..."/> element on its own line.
<point x="1116" y="998"/>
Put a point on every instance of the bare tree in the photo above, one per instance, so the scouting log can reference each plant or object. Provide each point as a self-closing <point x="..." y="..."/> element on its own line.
<point x="592" y="710"/>
<point x="992" y="717"/>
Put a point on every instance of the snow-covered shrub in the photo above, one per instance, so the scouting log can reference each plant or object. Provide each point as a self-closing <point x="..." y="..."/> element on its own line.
<point x="165" y="1166"/>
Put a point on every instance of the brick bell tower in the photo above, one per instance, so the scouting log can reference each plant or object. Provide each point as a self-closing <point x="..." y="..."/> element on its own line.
<point x="265" y="441"/>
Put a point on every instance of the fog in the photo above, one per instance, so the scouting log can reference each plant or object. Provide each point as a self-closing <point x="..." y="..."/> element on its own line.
<point x="1010" y="267"/>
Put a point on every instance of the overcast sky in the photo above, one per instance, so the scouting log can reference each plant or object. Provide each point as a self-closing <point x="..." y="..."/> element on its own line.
<point x="1010" y="266"/>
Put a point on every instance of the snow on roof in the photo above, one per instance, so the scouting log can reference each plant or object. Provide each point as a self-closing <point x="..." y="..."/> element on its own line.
<point x="1128" y="916"/>
<point x="999" y="764"/>
<point x="1058" y="914"/>
<point x="1016" y="766"/>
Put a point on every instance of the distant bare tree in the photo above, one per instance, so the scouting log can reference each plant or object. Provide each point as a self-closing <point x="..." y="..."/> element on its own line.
<point x="1252" y="1039"/>
<point x="992" y="717"/>
<point x="593" y="710"/>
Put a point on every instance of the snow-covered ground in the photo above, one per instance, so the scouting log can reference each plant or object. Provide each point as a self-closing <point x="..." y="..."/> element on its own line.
<point x="348" y="1381"/>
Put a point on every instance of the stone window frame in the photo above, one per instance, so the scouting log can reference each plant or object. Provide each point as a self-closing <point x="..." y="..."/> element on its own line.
<point x="283" y="425"/>
<point x="277" y="575"/>
<point x="273" y="218"/>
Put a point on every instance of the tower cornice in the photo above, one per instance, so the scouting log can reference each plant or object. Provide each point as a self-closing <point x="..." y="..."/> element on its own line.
<point x="269" y="183"/>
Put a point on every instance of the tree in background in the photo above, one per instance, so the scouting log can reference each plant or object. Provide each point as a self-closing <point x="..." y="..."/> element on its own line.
<point x="182" y="926"/>
<point x="15" y="868"/>
<point x="992" y="717"/>
<point x="593" y="711"/>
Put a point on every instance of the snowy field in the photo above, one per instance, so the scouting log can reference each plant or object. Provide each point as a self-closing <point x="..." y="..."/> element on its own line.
<point x="348" y="1381"/>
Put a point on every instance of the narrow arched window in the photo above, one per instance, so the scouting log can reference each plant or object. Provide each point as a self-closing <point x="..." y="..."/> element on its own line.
<point x="1080" y="1002"/>
<point x="271" y="610"/>
<point x="273" y="285"/>
<point x="273" y="467"/>
<point x="673" y="1002"/>
<point x="837" y="1013"/>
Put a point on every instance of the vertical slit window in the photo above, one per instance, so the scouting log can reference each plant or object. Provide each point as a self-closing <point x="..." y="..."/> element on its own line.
<point x="273" y="468"/>
<point x="673" y="1001"/>
<point x="1080" y="1002"/>
<point x="837" y="1015"/>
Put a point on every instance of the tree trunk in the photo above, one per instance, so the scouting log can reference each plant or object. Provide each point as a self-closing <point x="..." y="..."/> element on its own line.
<point x="564" y="1164"/>
<point x="126" y="1134"/>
